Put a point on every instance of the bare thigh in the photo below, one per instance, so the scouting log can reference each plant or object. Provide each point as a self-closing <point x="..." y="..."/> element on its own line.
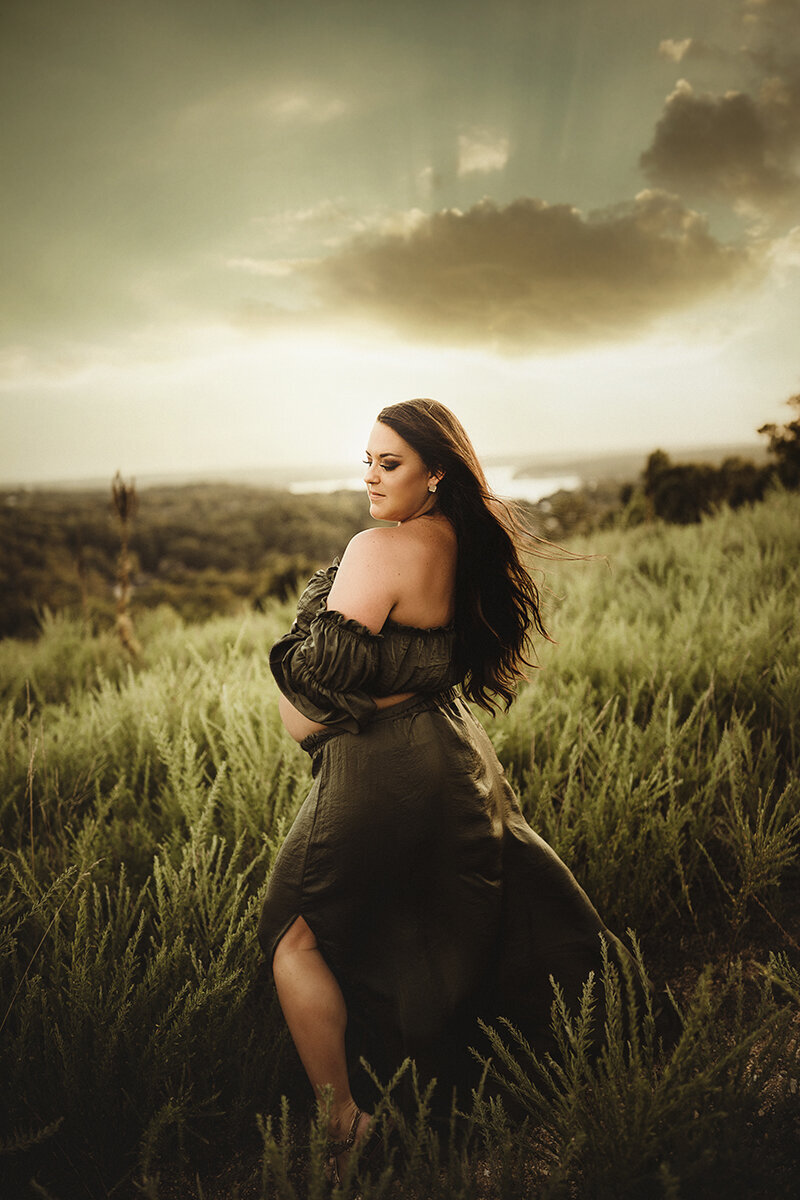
<point x="297" y="937"/>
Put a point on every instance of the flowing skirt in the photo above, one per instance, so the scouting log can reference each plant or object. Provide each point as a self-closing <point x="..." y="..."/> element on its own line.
<point x="431" y="899"/>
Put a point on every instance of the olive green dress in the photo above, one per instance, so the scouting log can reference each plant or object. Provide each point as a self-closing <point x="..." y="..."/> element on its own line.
<point x="431" y="898"/>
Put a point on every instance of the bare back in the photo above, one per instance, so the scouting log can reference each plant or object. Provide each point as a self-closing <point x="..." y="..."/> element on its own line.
<point x="406" y="573"/>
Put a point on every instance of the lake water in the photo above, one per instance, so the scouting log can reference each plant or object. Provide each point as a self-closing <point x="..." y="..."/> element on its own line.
<point x="501" y="480"/>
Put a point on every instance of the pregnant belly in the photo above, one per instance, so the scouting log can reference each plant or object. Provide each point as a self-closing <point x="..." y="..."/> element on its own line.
<point x="295" y="723"/>
<point x="299" y="726"/>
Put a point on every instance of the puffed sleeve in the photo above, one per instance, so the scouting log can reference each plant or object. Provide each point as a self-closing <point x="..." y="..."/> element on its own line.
<point x="314" y="595"/>
<point x="328" y="669"/>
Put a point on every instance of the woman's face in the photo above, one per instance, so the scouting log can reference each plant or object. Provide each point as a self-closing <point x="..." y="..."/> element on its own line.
<point x="396" y="477"/>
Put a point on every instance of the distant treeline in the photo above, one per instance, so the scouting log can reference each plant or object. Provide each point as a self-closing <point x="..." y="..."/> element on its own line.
<point x="679" y="492"/>
<point x="213" y="548"/>
<point x="201" y="549"/>
<point x="682" y="492"/>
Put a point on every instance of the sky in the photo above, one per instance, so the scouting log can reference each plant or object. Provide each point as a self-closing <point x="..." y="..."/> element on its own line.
<point x="233" y="231"/>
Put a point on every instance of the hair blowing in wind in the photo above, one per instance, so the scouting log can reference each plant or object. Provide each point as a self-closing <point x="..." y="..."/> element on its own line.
<point x="497" y="601"/>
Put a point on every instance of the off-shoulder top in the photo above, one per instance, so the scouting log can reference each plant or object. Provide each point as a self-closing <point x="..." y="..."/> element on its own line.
<point x="330" y="666"/>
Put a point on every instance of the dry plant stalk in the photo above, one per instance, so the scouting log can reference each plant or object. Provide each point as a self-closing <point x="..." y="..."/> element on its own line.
<point x="80" y="566"/>
<point x="126" y="502"/>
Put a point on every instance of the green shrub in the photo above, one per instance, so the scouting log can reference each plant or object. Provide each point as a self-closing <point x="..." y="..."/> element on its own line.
<point x="141" y="808"/>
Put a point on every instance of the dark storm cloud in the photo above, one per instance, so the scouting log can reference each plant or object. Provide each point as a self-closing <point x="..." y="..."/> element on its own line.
<point x="157" y="153"/>
<point x="531" y="275"/>
<point x="734" y="146"/>
<point x="742" y="146"/>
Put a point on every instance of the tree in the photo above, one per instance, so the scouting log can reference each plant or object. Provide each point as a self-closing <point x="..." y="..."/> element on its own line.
<point x="680" y="492"/>
<point x="784" y="443"/>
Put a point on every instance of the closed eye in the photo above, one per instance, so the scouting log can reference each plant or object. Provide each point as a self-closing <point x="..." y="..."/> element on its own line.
<point x="386" y="466"/>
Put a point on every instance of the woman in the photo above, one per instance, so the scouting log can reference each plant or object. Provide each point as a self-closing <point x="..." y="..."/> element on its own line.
<point x="410" y="888"/>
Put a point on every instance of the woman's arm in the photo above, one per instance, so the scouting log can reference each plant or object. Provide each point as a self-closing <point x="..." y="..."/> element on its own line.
<point x="325" y="665"/>
<point x="368" y="581"/>
<point x="367" y="586"/>
<point x="365" y="590"/>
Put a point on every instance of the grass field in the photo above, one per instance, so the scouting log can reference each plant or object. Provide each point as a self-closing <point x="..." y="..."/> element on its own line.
<point x="142" y="1051"/>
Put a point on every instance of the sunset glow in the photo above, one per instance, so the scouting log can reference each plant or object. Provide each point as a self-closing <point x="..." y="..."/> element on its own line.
<point x="235" y="232"/>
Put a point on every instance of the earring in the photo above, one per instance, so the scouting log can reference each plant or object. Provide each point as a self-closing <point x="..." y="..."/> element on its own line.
<point x="431" y="487"/>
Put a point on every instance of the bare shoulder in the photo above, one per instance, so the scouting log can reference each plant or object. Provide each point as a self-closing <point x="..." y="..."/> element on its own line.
<point x="405" y="571"/>
<point x="369" y="546"/>
<point x="423" y="537"/>
<point x="425" y="551"/>
<point x="366" y="585"/>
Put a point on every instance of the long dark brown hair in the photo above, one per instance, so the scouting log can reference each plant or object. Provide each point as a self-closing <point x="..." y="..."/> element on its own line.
<point x="496" y="602"/>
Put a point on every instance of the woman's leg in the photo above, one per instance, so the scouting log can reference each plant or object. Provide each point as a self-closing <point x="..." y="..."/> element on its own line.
<point x="315" y="1012"/>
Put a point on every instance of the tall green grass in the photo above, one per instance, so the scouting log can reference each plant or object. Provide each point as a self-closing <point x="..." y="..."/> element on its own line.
<point x="656" y="749"/>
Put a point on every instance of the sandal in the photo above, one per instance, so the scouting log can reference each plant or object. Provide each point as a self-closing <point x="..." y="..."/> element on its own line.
<point x="334" y="1149"/>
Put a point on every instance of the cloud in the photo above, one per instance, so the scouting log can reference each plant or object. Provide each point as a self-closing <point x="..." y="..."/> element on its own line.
<point x="677" y="49"/>
<point x="270" y="268"/>
<point x="530" y="276"/>
<point x="251" y="102"/>
<point x="735" y="146"/>
<point x="784" y="255"/>
<point x="307" y="106"/>
<point x="427" y="181"/>
<point x="328" y="223"/>
<point x="741" y="146"/>
<point x="481" y="151"/>
<point x="673" y="49"/>
<point x="772" y="15"/>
